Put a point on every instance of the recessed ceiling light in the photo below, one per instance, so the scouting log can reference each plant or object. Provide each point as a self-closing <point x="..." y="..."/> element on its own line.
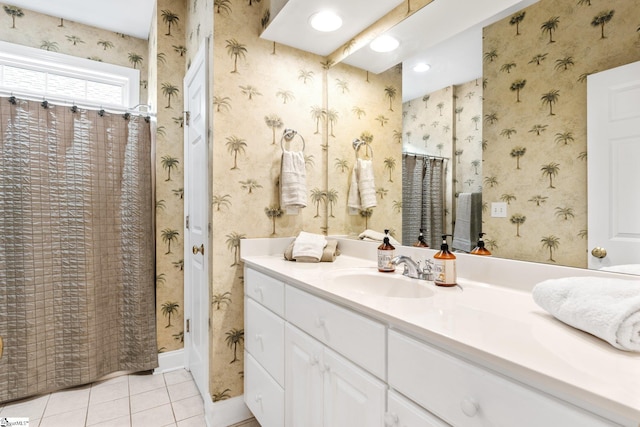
<point x="325" y="21"/>
<point x="421" y="67"/>
<point x="384" y="44"/>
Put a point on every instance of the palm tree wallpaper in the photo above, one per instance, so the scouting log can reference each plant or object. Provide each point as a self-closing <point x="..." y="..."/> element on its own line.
<point x="541" y="102"/>
<point x="447" y="123"/>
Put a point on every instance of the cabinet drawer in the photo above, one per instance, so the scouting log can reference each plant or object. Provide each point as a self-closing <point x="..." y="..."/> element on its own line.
<point x="264" y="338"/>
<point x="401" y="412"/>
<point x="466" y="395"/>
<point x="360" y="339"/>
<point x="266" y="290"/>
<point x="263" y="396"/>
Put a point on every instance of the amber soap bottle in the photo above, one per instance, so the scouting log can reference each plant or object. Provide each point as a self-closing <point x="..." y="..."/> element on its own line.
<point x="386" y="252"/>
<point x="445" y="265"/>
<point x="480" y="249"/>
<point x="421" y="242"/>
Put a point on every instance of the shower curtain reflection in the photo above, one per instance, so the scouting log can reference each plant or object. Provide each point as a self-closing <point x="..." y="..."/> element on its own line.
<point x="422" y="198"/>
<point x="76" y="246"/>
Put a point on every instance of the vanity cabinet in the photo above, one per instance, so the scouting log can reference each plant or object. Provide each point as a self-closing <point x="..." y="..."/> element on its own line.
<point x="464" y="394"/>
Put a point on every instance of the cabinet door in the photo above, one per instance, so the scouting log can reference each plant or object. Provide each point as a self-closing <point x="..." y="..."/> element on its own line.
<point x="352" y="397"/>
<point x="303" y="379"/>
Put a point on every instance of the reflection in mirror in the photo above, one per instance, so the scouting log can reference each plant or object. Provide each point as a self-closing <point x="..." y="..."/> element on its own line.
<point x="531" y="139"/>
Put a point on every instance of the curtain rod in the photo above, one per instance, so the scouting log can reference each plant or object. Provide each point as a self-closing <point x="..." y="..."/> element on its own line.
<point x="429" y="156"/>
<point x="72" y="103"/>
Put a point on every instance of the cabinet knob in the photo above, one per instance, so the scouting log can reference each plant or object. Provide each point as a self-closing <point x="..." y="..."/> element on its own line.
<point x="469" y="406"/>
<point x="320" y="322"/>
<point x="258" y="398"/>
<point x="314" y="360"/>
<point x="258" y="337"/>
<point x="258" y="291"/>
<point x="391" y="419"/>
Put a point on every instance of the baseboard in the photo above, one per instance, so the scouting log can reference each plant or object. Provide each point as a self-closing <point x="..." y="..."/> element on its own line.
<point x="226" y="412"/>
<point x="170" y="361"/>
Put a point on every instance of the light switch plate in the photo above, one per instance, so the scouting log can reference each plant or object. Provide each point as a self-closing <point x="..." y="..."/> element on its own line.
<point x="499" y="210"/>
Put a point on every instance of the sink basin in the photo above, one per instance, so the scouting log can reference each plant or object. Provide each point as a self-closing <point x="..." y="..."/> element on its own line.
<point x="369" y="281"/>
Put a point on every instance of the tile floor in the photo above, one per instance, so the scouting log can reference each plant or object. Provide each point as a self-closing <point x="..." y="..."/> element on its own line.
<point x="170" y="399"/>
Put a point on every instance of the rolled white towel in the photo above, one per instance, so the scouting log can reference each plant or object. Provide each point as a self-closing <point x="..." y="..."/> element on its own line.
<point x="376" y="236"/>
<point x="604" y="307"/>
<point x="309" y="245"/>
<point x="293" y="180"/>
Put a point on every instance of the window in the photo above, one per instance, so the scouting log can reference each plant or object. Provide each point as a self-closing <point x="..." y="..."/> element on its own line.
<point x="30" y="72"/>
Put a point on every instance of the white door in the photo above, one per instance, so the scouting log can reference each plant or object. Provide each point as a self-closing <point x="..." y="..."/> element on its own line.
<point x="613" y="132"/>
<point x="303" y="379"/>
<point x="196" y="197"/>
<point x="352" y="397"/>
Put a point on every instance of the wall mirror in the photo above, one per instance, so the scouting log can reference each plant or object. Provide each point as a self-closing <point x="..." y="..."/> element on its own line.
<point x="509" y="138"/>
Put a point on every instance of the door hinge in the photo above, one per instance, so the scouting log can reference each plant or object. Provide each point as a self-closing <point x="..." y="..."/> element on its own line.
<point x="186" y="224"/>
<point x="188" y="323"/>
<point x="187" y="117"/>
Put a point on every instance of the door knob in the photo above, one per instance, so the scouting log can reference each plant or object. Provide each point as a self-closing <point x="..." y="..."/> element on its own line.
<point x="599" y="252"/>
<point x="197" y="250"/>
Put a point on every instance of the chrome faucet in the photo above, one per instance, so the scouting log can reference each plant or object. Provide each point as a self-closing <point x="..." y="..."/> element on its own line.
<point x="412" y="268"/>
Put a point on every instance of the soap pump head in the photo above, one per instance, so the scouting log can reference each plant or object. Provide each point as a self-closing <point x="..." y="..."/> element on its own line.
<point x="444" y="247"/>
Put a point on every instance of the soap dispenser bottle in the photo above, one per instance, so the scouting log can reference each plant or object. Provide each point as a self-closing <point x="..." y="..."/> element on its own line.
<point x="421" y="243"/>
<point x="386" y="252"/>
<point x="444" y="265"/>
<point x="480" y="249"/>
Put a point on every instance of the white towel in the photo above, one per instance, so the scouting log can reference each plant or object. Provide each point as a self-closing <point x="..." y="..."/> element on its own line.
<point x="309" y="245"/>
<point x="604" y="307"/>
<point x="376" y="236"/>
<point x="468" y="221"/>
<point x="366" y="184"/>
<point x="362" y="192"/>
<point x="353" y="198"/>
<point x="293" y="181"/>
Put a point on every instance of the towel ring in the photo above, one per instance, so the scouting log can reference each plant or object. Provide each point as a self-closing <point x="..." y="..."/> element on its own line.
<point x="357" y="143"/>
<point x="288" y="135"/>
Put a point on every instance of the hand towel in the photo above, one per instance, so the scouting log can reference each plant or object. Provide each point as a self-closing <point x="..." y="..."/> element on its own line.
<point x="293" y="181"/>
<point x="468" y="221"/>
<point x="376" y="236"/>
<point x="309" y="245"/>
<point x="366" y="184"/>
<point x="353" y="198"/>
<point x="604" y="307"/>
<point x="329" y="253"/>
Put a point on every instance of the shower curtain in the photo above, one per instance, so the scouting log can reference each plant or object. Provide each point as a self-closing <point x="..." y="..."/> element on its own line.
<point x="422" y="199"/>
<point x="77" y="297"/>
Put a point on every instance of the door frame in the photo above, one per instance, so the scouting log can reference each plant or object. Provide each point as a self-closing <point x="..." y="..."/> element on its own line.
<point x="201" y="57"/>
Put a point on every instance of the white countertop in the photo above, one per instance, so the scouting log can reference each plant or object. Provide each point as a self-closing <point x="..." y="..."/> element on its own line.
<point x="494" y="326"/>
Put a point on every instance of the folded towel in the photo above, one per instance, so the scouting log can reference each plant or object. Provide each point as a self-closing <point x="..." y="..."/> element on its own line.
<point x="604" y="307"/>
<point x="468" y="221"/>
<point x="366" y="184"/>
<point x="353" y="198"/>
<point x="376" y="236"/>
<point x="362" y="192"/>
<point x="309" y="245"/>
<point x="329" y="253"/>
<point x="293" y="181"/>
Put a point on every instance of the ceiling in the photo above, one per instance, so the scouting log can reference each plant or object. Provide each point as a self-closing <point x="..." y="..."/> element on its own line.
<point x="131" y="17"/>
<point x="438" y="34"/>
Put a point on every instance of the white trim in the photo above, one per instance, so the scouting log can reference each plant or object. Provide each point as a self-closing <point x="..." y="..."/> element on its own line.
<point x="128" y="79"/>
<point x="170" y="361"/>
<point x="226" y="412"/>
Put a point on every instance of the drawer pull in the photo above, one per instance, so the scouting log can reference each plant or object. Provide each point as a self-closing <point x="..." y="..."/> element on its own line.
<point x="391" y="419"/>
<point x="258" y="398"/>
<point x="259" y="337"/>
<point x="469" y="406"/>
<point x="320" y="322"/>
<point x="258" y="291"/>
